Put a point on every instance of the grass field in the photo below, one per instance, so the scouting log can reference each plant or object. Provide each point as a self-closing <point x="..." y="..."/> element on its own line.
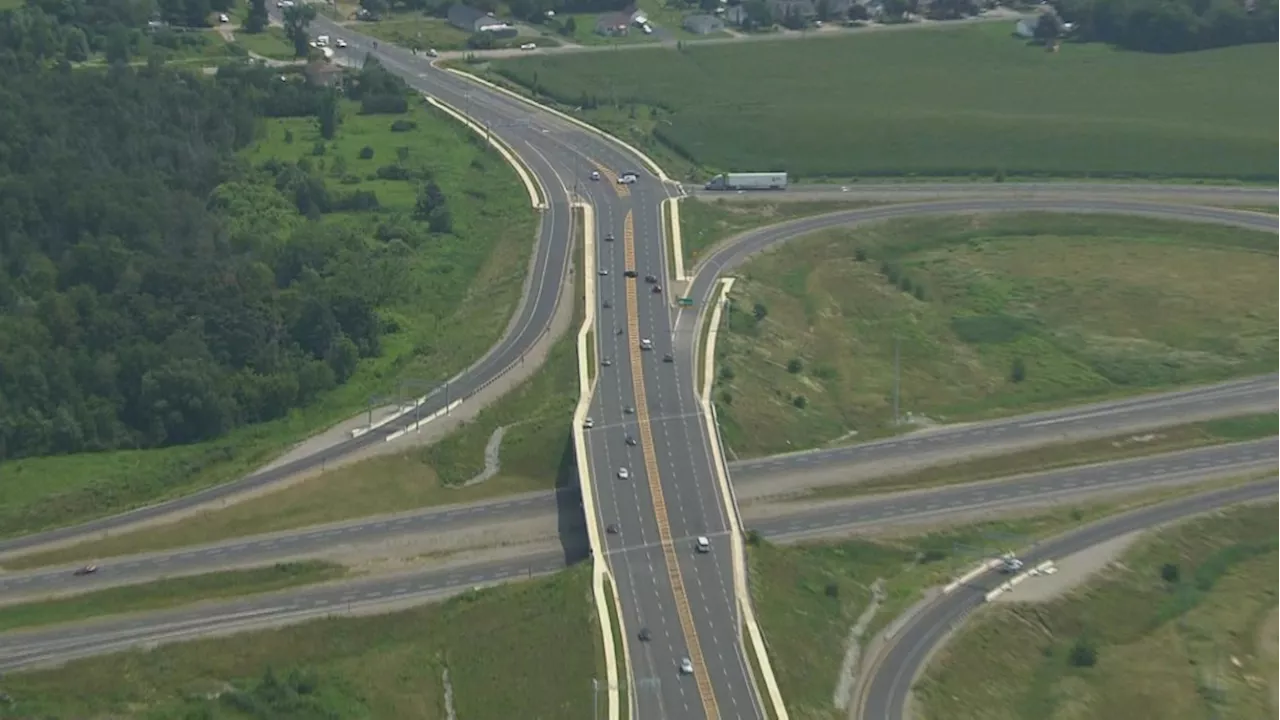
<point x="270" y="43"/>
<point x="993" y="315"/>
<point x="520" y="651"/>
<point x="706" y="223"/>
<point x="167" y="593"/>
<point x="940" y="102"/>
<point x="1141" y="640"/>
<point x="1120" y="447"/>
<point x="808" y="597"/>
<point x="416" y="31"/>
<point x="458" y="293"/>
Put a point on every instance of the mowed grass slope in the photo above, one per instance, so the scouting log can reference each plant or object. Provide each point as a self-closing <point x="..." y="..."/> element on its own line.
<point x="1187" y="642"/>
<point x="519" y="651"/>
<point x="955" y="101"/>
<point x="992" y="314"/>
<point x="459" y="290"/>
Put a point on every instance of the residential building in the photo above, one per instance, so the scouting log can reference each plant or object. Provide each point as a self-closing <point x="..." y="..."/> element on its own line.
<point x="472" y="20"/>
<point x="703" y="24"/>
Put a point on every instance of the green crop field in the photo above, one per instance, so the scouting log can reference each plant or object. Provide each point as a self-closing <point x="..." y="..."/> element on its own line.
<point x="454" y="298"/>
<point x="942" y="102"/>
<point x="527" y="650"/>
<point x="992" y="314"/>
<point x="1181" y="627"/>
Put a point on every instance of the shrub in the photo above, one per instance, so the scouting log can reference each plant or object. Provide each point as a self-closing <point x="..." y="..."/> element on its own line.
<point x="403" y="126"/>
<point x="1084" y="654"/>
<point x="1169" y="572"/>
<point x="794" y="366"/>
<point x="366" y="153"/>
<point x="1018" y="372"/>
<point x="800" y="402"/>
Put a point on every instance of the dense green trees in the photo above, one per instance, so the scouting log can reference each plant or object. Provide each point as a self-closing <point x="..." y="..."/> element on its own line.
<point x="1171" y="25"/>
<point x="154" y="289"/>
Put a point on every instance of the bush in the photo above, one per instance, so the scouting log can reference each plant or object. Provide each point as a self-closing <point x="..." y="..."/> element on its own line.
<point x="833" y="590"/>
<point x="366" y="153"/>
<point x="1169" y="573"/>
<point x="1084" y="654"/>
<point x="403" y="126"/>
<point x="794" y="366"/>
<point x="800" y="402"/>
<point x="726" y="372"/>
<point x="1018" y="372"/>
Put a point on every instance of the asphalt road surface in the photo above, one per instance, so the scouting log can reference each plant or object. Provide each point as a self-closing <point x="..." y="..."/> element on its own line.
<point x="1103" y="419"/>
<point x="608" y="441"/>
<point x="888" y="689"/>
<point x="890" y="192"/>
<point x="61" y="643"/>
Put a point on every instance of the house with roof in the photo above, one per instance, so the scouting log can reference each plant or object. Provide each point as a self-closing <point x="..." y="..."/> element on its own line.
<point x="474" y="20"/>
<point x="700" y="24"/>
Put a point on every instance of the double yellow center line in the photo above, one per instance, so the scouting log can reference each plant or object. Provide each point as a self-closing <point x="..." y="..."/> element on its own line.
<point x="655" y="482"/>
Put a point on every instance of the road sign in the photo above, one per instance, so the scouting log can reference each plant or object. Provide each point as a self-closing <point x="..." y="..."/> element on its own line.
<point x="686" y="301"/>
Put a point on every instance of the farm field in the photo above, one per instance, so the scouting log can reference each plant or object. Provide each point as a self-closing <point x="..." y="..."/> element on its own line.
<point x="437" y="331"/>
<point x="1180" y="626"/>
<point x="993" y="315"/>
<point x="999" y="107"/>
<point x="809" y="596"/>
<point x="494" y="644"/>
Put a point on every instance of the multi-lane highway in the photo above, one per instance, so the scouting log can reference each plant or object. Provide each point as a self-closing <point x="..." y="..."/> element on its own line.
<point x="1104" y="419"/>
<point x="683" y="598"/>
<point x="801" y="518"/>
<point x="58" y="644"/>
<point x="889" y="687"/>
<point x="1241" y="196"/>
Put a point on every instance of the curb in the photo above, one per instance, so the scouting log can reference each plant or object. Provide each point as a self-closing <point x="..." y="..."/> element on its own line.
<point x="653" y="166"/>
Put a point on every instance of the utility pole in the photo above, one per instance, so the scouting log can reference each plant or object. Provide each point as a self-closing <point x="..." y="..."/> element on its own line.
<point x="595" y="699"/>
<point x="897" y="378"/>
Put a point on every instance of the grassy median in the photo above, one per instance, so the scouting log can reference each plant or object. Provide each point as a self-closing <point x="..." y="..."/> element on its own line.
<point x="164" y="594"/>
<point x="1052" y="457"/>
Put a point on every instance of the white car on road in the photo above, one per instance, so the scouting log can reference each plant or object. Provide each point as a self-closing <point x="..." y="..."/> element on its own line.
<point x="624" y="474"/>
<point x="529" y="46"/>
<point x="686" y="666"/>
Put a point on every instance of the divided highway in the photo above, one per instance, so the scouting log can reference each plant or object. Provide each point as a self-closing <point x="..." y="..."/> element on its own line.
<point x="670" y="496"/>
<point x="1246" y="196"/>
<point x="61" y="643"/>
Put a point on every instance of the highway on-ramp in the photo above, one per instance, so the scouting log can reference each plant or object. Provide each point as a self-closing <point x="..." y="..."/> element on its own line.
<point x="888" y="689"/>
<point x="1242" y="195"/>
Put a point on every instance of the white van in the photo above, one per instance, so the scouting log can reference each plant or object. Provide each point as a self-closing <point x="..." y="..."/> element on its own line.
<point x="322" y="40"/>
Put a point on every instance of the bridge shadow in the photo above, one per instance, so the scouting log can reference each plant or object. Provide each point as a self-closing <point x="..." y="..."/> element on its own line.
<point x="570" y="518"/>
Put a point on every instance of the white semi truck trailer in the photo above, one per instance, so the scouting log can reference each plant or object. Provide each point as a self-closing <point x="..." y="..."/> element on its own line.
<point x="749" y="181"/>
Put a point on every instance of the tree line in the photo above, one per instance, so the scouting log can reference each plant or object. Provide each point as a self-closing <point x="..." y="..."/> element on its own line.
<point x="1163" y="26"/>
<point x="154" y="288"/>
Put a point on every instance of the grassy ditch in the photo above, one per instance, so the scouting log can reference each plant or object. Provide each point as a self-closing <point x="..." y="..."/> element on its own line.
<point x="990" y="315"/>
<point x="164" y="594"/>
<point x="515" y="651"/>
<point x="1178" y="628"/>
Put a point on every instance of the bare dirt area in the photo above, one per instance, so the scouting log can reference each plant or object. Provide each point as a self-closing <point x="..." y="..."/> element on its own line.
<point x="1072" y="572"/>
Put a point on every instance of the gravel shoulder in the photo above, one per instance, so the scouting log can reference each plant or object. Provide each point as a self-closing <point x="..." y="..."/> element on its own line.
<point x="1073" y="571"/>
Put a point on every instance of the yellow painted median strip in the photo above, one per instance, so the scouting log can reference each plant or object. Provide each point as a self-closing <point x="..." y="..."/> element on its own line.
<point x="655" y="484"/>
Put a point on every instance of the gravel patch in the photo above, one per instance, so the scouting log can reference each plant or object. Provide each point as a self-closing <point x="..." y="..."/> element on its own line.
<point x="1073" y="571"/>
<point x="492" y="458"/>
<point x="853" y="648"/>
